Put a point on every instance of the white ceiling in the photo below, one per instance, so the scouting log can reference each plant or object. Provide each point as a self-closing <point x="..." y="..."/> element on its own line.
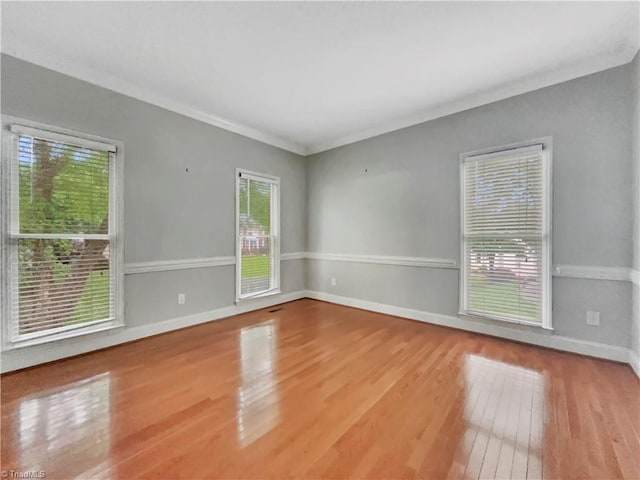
<point x="312" y="76"/>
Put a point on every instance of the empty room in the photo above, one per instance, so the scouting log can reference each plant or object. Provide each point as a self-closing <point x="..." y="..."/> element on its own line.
<point x="320" y="240"/>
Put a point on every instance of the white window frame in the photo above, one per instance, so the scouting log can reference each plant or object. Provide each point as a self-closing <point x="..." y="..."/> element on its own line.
<point x="546" y="145"/>
<point x="12" y="127"/>
<point x="275" y="235"/>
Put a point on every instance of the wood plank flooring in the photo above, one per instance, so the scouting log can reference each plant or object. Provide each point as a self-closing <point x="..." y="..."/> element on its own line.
<point x="316" y="390"/>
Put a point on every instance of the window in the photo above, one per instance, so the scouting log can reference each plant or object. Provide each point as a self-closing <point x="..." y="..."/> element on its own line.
<point x="257" y="235"/>
<point x="506" y="250"/>
<point x="60" y="243"/>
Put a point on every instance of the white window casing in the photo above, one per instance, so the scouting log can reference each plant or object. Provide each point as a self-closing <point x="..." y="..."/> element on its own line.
<point x="61" y="232"/>
<point x="257" y="235"/>
<point x="506" y="234"/>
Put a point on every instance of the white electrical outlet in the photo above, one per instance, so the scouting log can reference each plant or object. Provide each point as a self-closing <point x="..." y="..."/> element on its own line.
<point x="593" y="318"/>
<point x="182" y="299"/>
<point x="333" y="281"/>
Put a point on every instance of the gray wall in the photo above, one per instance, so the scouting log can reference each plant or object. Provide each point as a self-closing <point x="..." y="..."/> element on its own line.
<point x="635" y="145"/>
<point x="170" y="214"/>
<point x="398" y="194"/>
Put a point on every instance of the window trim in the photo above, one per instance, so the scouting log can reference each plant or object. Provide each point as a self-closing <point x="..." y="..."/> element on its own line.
<point x="12" y="127"/>
<point x="275" y="234"/>
<point x="547" y="224"/>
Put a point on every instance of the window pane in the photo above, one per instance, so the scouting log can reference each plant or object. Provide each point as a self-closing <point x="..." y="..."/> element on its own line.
<point x="256" y="246"/>
<point x="504" y="278"/>
<point x="256" y="265"/>
<point x="504" y="195"/>
<point x="62" y="188"/>
<point x="61" y="283"/>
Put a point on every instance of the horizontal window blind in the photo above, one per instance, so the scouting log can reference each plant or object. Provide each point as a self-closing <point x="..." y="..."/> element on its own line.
<point x="59" y="238"/>
<point x="504" y="235"/>
<point x="257" y="235"/>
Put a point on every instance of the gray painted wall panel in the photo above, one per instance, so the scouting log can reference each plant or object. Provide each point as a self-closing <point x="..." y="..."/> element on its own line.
<point x="293" y="275"/>
<point x="208" y="289"/>
<point x="573" y="297"/>
<point x="428" y="289"/>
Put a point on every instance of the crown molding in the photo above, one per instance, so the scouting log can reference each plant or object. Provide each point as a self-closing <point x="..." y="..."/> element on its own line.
<point x="90" y="75"/>
<point x="528" y="84"/>
<point x="512" y="89"/>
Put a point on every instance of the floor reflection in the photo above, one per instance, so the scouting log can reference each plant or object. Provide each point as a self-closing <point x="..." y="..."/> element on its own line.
<point x="258" y="399"/>
<point x="66" y="429"/>
<point x="504" y="416"/>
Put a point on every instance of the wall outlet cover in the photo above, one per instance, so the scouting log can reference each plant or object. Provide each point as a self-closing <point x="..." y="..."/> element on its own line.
<point x="593" y="318"/>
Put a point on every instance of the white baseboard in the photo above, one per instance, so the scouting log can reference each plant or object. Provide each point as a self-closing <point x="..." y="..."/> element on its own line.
<point x="17" y="358"/>
<point x="567" y="271"/>
<point x="526" y="335"/>
<point x="634" y="361"/>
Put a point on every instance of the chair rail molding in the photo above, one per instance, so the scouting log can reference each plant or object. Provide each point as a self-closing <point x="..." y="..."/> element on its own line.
<point x="589" y="272"/>
<point x="620" y="274"/>
<point x="386" y="260"/>
<point x="569" y="271"/>
<point x="188" y="263"/>
<point x="293" y="256"/>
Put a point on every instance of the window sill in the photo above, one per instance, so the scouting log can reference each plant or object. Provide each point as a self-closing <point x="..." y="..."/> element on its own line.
<point x="62" y="336"/>
<point x="268" y="293"/>
<point x="498" y="320"/>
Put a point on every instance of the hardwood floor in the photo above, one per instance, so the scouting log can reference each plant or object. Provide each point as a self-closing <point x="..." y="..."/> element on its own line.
<point x="317" y="390"/>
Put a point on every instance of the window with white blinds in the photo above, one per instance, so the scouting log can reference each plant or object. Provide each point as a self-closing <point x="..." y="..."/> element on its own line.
<point x="60" y="238"/>
<point x="257" y="231"/>
<point x="506" y="243"/>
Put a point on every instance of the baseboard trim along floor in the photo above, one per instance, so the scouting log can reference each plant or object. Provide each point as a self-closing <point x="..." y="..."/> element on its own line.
<point x="583" y="347"/>
<point x="18" y="358"/>
<point x="634" y="361"/>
